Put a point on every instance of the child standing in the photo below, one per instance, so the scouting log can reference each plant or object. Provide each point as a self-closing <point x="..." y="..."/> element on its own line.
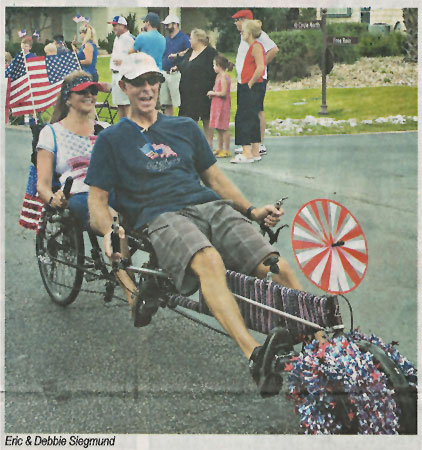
<point x="220" y="105"/>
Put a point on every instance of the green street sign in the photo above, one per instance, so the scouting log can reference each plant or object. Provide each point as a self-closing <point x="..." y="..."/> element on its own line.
<point x="310" y="25"/>
<point x="342" y="40"/>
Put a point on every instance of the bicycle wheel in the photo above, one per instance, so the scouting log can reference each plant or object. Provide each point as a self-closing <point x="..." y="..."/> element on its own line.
<point x="60" y="253"/>
<point x="353" y="385"/>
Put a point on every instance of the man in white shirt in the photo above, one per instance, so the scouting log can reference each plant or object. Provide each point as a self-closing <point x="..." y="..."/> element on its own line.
<point x="271" y="50"/>
<point x="123" y="42"/>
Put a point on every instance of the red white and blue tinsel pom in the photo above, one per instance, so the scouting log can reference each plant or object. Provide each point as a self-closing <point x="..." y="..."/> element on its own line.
<point x="322" y="370"/>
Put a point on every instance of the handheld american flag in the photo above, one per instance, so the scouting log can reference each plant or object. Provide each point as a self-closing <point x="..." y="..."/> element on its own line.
<point x="19" y="82"/>
<point x="46" y="74"/>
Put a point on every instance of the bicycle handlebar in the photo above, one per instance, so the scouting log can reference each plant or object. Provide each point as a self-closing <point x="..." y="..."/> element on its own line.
<point x="67" y="187"/>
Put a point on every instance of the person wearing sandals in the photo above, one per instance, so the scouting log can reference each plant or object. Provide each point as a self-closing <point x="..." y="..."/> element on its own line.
<point x="221" y="104"/>
<point x="65" y="147"/>
<point x="247" y="125"/>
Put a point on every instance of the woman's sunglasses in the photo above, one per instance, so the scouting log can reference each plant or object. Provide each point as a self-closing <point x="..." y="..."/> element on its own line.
<point x="93" y="90"/>
<point x="151" y="79"/>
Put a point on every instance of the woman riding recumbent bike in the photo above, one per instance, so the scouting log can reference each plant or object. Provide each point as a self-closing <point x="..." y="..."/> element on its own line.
<point x="340" y="383"/>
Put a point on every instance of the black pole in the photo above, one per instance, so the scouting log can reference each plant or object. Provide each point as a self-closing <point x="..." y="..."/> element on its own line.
<point x="323" y="110"/>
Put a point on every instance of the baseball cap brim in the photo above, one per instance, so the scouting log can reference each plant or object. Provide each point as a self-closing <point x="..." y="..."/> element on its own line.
<point x="84" y="85"/>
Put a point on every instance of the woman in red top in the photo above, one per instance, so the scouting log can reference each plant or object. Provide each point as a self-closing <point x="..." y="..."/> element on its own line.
<point x="247" y="129"/>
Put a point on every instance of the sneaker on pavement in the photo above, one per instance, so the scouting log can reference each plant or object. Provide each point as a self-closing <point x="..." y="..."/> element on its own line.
<point x="262" y="149"/>
<point x="238" y="151"/>
<point x="277" y="345"/>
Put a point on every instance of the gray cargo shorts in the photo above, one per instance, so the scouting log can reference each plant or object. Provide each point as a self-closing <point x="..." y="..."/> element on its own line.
<point x="177" y="236"/>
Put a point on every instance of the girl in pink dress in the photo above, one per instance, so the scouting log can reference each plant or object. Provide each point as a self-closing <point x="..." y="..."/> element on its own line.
<point x="220" y="105"/>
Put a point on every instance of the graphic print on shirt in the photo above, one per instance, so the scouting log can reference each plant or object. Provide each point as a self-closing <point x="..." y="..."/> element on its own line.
<point x="161" y="155"/>
<point x="78" y="166"/>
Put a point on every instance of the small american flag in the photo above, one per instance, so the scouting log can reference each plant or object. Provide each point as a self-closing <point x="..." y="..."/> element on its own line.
<point x="46" y="75"/>
<point x="22" y="33"/>
<point x="33" y="207"/>
<point x="78" y="18"/>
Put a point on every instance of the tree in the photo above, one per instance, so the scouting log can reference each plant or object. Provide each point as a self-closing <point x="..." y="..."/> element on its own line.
<point x="273" y="19"/>
<point x="410" y="17"/>
<point x="33" y="18"/>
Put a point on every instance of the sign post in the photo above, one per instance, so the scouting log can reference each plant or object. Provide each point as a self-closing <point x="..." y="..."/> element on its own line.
<point x="323" y="109"/>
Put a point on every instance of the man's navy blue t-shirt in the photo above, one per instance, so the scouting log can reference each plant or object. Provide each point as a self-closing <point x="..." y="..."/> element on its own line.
<point x="176" y="44"/>
<point x="151" y="180"/>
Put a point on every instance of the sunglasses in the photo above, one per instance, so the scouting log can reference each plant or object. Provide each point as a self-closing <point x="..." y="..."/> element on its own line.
<point x="141" y="81"/>
<point x="93" y="90"/>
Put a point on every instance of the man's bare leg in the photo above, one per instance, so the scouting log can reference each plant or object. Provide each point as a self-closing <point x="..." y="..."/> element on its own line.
<point x="209" y="267"/>
<point x="168" y="110"/>
<point x="262" y="124"/>
<point x="123" y="110"/>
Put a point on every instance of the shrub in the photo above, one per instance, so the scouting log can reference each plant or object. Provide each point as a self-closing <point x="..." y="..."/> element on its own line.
<point x="392" y="44"/>
<point x="107" y="43"/>
<point x="291" y="61"/>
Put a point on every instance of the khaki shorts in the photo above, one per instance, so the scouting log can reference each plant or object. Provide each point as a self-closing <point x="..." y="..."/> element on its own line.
<point x="177" y="236"/>
<point x="119" y="98"/>
<point x="169" y="92"/>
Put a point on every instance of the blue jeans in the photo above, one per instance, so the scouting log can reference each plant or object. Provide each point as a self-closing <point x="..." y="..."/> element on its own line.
<point x="78" y="206"/>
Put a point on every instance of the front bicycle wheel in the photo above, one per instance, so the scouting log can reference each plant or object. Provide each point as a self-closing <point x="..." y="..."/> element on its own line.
<point x="60" y="254"/>
<point x="353" y="385"/>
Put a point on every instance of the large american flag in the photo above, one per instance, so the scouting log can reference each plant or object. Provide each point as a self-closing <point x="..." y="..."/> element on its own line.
<point x="36" y="86"/>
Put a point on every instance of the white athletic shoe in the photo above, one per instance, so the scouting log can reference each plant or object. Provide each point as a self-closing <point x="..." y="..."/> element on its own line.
<point x="262" y="149"/>
<point x="238" y="151"/>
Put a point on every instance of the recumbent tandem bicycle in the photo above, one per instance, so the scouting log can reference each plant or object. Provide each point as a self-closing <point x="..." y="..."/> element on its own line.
<point x="350" y="384"/>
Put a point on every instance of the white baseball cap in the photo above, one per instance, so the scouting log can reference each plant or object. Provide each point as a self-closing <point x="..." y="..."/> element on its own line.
<point x="171" y="18"/>
<point x="118" y="20"/>
<point x="136" y="64"/>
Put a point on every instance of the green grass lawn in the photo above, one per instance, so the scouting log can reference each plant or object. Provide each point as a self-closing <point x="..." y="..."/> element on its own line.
<point x="343" y="104"/>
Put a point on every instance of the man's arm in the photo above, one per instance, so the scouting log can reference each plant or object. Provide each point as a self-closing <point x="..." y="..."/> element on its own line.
<point x="100" y="218"/>
<point x="215" y="179"/>
<point x="271" y="54"/>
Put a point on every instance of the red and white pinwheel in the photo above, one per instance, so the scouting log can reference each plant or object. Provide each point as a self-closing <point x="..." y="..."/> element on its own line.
<point x="329" y="246"/>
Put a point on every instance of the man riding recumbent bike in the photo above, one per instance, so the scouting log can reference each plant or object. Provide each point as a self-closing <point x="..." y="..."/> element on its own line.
<point x="340" y="382"/>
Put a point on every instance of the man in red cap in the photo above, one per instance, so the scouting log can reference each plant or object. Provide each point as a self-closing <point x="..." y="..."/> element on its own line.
<point x="271" y="50"/>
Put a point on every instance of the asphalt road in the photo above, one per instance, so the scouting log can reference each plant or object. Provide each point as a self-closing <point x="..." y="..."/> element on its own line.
<point x="86" y="369"/>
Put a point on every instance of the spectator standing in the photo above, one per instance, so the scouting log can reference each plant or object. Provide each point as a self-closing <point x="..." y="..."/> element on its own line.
<point x="88" y="53"/>
<point x="50" y="49"/>
<point x="197" y="79"/>
<point x="176" y="43"/>
<point x="60" y="44"/>
<point x="221" y="104"/>
<point x="271" y="50"/>
<point x="247" y="129"/>
<point x="150" y="40"/>
<point x="123" y="42"/>
<point x="26" y="46"/>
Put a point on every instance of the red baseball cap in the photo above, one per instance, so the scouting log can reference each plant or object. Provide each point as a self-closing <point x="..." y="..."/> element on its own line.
<point x="85" y="84"/>
<point x="243" y="13"/>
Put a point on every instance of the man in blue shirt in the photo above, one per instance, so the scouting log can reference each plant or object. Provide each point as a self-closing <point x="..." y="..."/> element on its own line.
<point x="155" y="165"/>
<point x="176" y="45"/>
<point x="150" y="41"/>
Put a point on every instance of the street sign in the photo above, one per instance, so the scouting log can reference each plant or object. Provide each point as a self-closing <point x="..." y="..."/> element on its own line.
<point x="310" y="25"/>
<point x="342" y="40"/>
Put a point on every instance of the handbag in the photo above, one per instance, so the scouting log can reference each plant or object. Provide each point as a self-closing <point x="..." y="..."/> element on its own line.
<point x="32" y="210"/>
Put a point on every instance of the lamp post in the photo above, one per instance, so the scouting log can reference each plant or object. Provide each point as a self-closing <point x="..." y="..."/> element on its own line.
<point x="323" y="110"/>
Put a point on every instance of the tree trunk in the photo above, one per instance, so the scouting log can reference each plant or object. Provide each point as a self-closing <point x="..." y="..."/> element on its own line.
<point x="410" y="17"/>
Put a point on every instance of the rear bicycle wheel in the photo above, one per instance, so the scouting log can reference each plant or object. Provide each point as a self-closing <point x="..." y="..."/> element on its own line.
<point x="60" y="254"/>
